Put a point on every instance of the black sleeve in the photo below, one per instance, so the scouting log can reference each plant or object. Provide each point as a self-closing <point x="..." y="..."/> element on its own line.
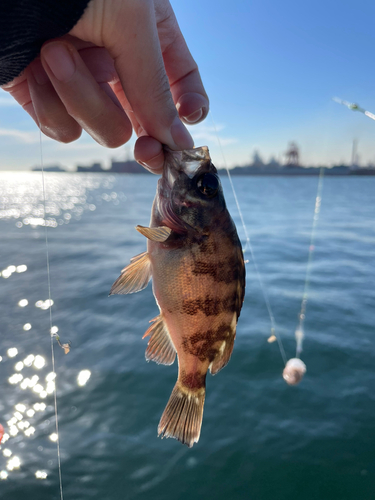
<point x="26" y="24"/>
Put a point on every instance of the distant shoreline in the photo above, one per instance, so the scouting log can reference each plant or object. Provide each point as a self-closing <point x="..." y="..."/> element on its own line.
<point x="133" y="167"/>
<point x="298" y="171"/>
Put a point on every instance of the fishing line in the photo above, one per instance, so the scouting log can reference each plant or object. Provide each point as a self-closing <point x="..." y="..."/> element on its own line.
<point x="250" y="248"/>
<point x="299" y="333"/>
<point x="50" y="315"/>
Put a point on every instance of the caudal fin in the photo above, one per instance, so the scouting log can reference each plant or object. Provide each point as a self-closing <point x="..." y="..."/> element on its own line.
<point x="182" y="417"/>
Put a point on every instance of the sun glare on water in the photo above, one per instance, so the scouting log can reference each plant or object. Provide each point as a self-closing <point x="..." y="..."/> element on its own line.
<point x="29" y="399"/>
<point x="33" y="385"/>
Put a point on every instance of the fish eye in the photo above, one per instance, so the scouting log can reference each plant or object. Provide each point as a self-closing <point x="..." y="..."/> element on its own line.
<point x="208" y="184"/>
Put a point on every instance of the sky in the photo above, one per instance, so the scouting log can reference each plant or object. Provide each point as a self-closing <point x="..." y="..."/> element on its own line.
<point x="270" y="69"/>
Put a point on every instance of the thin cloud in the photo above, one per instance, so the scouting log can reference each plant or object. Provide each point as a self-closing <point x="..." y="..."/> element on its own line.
<point x="76" y="146"/>
<point x="7" y="101"/>
<point x="25" y="137"/>
<point x="210" y="134"/>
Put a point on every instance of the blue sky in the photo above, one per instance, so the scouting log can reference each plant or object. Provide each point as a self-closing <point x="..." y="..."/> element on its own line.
<point x="270" y="69"/>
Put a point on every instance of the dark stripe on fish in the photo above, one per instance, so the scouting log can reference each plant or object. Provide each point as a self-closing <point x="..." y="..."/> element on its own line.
<point x="200" y="344"/>
<point x="221" y="272"/>
<point x="210" y="306"/>
<point x="193" y="380"/>
<point x="207" y="246"/>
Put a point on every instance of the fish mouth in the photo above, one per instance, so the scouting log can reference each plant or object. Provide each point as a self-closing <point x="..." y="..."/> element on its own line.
<point x="179" y="166"/>
<point x="187" y="161"/>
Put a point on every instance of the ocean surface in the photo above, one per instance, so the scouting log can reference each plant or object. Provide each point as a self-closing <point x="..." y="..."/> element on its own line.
<point x="261" y="439"/>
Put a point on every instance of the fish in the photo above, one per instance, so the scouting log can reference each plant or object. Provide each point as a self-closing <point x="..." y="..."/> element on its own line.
<point x="195" y="259"/>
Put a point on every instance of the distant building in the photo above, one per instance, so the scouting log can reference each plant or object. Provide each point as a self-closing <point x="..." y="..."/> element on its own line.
<point x="127" y="167"/>
<point x="355" y="157"/>
<point x="292" y="155"/>
<point x="257" y="160"/>
<point x="51" y="168"/>
<point x="273" y="163"/>
<point x="117" y="167"/>
<point x="363" y="171"/>
<point x="95" y="167"/>
<point x="338" y="170"/>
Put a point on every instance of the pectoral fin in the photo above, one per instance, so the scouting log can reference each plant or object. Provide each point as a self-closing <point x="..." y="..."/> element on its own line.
<point x="160" y="347"/>
<point x="155" y="233"/>
<point x="134" y="277"/>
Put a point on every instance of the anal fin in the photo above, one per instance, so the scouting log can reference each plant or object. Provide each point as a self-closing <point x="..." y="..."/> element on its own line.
<point x="159" y="234"/>
<point x="134" y="277"/>
<point x="160" y="347"/>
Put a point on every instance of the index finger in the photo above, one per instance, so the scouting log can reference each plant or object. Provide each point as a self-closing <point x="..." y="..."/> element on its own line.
<point x="186" y="84"/>
<point x="139" y="64"/>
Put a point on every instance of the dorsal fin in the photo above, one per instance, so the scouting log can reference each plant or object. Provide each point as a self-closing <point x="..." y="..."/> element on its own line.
<point x="160" y="347"/>
<point x="134" y="277"/>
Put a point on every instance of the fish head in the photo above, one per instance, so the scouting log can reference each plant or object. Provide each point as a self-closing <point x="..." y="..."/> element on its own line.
<point x="190" y="194"/>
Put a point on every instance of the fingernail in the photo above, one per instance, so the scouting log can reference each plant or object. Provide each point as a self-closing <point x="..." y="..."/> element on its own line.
<point x="60" y="61"/>
<point x="38" y="72"/>
<point x="142" y="163"/>
<point x="194" y="117"/>
<point x="153" y="164"/>
<point x="180" y="135"/>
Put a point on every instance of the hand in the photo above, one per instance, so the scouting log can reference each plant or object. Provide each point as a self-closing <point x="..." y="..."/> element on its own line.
<point x="125" y="65"/>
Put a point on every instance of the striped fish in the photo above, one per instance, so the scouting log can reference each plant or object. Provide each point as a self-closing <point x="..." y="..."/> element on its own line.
<point x="195" y="259"/>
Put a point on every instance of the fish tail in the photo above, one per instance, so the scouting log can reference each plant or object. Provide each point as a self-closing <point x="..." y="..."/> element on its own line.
<point x="182" y="417"/>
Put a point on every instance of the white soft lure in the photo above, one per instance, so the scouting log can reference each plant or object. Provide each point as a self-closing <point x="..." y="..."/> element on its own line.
<point x="294" y="371"/>
<point x="354" y="107"/>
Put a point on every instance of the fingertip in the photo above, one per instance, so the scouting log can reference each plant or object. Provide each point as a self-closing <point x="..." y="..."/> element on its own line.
<point x="149" y="153"/>
<point x="180" y="136"/>
<point x="59" y="60"/>
<point x="116" y="138"/>
<point x="46" y="108"/>
<point x="194" y="117"/>
<point x="66" y="136"/>
<point x="61" y="134"/>
<point x="192" y="107"/>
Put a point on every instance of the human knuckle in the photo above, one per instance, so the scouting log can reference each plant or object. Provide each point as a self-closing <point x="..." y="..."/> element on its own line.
<point x="168" y="29"/>
<point x="164" y="11"/>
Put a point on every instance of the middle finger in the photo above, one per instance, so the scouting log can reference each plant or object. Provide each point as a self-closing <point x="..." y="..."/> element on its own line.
<point x="83" y="98"/>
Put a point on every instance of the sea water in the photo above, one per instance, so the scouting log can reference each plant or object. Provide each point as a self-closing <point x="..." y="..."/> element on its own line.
<point x="261" y="439"/>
